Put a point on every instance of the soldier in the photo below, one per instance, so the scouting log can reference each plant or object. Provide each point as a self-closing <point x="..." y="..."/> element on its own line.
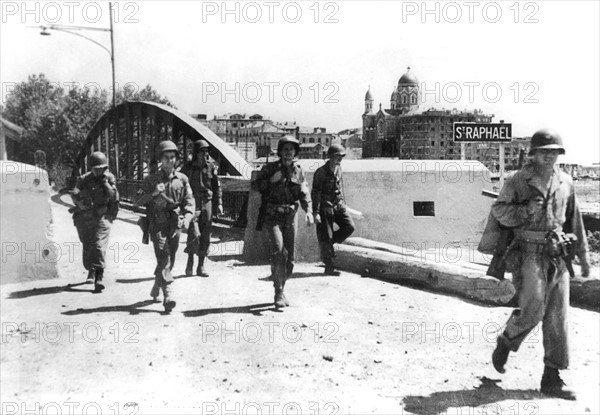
<point x="329" y="206"/>
<point x="282" y="186"/>
<point x="538" y="203"/>
<point x="96" y="202"/>
<point x="170" y="207"/>
<point x="206" y="187"/>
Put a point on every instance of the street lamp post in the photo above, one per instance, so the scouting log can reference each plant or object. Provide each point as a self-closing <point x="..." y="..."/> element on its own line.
<point x="73" y="30"/>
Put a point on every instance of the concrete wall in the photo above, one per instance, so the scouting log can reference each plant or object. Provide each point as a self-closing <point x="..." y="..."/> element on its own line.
<point x="28" y="252"/>
<point x="384" y="191"/>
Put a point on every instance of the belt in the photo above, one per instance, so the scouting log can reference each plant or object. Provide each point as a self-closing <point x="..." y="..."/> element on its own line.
<point x="534" y="237"/>
<point x="281" y="209"/>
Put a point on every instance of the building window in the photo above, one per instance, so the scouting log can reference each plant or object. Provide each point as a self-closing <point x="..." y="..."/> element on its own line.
<point x="311" y="140"/>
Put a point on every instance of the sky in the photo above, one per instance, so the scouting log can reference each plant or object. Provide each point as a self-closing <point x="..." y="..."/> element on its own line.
<point x="532" y="64"/>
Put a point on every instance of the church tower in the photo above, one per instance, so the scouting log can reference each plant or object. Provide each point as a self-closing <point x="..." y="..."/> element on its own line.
<point x="368" y="102"/>
<point x="407" y="93"/>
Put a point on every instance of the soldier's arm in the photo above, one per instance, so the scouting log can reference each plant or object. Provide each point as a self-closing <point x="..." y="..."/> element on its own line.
<point x="261" y="182"/>
<point x="144" y="193"/>
<point x="506" y="209"/>
<point x="110" y="185"/>
<point x="188" y="204"/>
<point x="77" y="195"/>
<point x="574" y="224"/>
<point x="317" y="188"/>
<point x="216" y="187"/>
<point x="305" y="200"/>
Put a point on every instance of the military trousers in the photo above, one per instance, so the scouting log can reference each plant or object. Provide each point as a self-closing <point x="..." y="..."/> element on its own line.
<point x="543" y="292"/>
<point x="281" y="228"/>
<point x="93" y="233"/>
<point x="325" y="230"/>
<point x="198" y="239"/>
<point x="166" y="243"/>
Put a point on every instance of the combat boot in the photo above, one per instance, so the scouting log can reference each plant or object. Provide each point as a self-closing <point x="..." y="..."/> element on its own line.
<point x="98" y="284"/>
<point x="500" y="355"/>
<point x="91" y="278"/>
<point x="201" y="271"/>
<point x="329" y="269"/>
<point x="168" y="302"/>
<point x="280" y="300"/>
<point x="189" y="268"/>
<point x="154" y="292"/>
<point x="552" y="385"/>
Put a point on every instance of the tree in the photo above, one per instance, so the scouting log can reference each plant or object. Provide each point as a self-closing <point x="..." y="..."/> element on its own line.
<point x="57" y="121"/>
<point x="52" y="120"/>
<point x="130" y="93"/>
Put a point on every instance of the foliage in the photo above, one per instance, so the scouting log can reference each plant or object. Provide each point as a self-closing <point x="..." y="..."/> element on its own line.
<point x="593" y="241"/>
<point x="58" y="121"/>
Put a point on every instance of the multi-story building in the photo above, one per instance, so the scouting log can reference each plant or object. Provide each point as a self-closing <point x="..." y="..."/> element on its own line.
<point x="406" y="132"/>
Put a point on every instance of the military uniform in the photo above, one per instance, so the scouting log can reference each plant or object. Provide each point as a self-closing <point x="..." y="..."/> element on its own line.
<point x="165" y="217"/>
<point x="96" y="206"/>
<point x="207" y="192"/>
<point x="539" y="273"/>
<point x="283" y="189"/>
<point x="542" y="282"/>
<point x="328" y="202"/>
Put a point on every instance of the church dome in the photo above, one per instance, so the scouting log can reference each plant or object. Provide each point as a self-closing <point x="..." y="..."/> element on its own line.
<point x="408" y="78"/>
<point x="394" y="94"/>
<point x="368" y="95"/>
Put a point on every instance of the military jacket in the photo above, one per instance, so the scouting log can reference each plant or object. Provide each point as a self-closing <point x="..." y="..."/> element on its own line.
<point x="96" y="194"/>
<point x="560" y="211"/>
<point x="281" y="185"/>
<point x="204" y="182"/>
<point x="177" y="196"/>
<point x="327" y="187"/>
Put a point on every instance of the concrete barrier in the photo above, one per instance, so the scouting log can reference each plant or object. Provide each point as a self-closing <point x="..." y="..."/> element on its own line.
<point x="415" y="204"/>
<point x="28" y="252"/>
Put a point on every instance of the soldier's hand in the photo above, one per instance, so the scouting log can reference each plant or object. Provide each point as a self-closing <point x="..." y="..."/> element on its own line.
<point x="309" y="219"/>
<point x="585" y="268"/>
<point x="160" y="187"/>
<point x="317" y="218"/>
<point x="220" y="209"/>
<point x="535" y="205"/>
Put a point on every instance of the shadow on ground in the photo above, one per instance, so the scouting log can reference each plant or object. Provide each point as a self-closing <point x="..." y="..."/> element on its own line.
<point x="254" y="309"/>
<point x="131" y="309"/>
<point x="52" y="290"/>
<point x="486" y="394"/>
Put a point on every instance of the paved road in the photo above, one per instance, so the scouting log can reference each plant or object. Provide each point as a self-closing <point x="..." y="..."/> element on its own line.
<point x="346" y="345"/>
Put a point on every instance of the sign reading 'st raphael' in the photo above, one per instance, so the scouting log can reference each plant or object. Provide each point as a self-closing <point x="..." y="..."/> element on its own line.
<point x="472" y="132"/>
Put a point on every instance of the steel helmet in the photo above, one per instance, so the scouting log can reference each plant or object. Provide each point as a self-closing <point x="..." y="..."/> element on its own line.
<point x="167" y="145"/>
<point x="336" y="149"/>
<point x="546" y="139"/>
<point x="200" y="144"/>
<point x="288" y="139"/>
<point x="97" y="159"/>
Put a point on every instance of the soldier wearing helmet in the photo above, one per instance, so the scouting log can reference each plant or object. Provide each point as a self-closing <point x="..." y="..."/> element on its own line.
<point x="329" y="206"/>
<point x="539" y="205"/>
<point x="96" y="202"/>
<point x="170" y="207"/>
<point x="283" y="187"/>
<point x="206" y="187"/>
